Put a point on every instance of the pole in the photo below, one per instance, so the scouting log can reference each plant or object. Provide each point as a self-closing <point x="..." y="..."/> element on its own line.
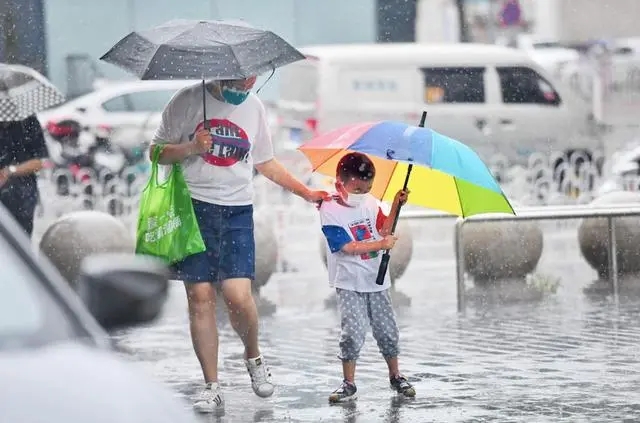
<point x="213" y="9"/>
<point x="10" y="35"/>
<point x="459" y="246"/>
<point x="131" y="12"/>
<point x="204" y="105"/>
<point x="384" y="263"/>
<point x="462" y="17"/>
<point x="613" y="257"/>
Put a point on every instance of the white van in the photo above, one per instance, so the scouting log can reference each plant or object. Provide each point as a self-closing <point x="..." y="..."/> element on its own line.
<point x="493" y="98"/>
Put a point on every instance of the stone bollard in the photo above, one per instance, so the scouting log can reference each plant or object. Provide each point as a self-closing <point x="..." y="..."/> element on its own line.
<point x="266" y="249"/>
<point x="495" y="252"/>
<point x="400" y="259"/>
<point x="402" y="251"/>
<point x="74" y="236"/>
<point x="266" y="259"/>
<point x="593" y="236"/>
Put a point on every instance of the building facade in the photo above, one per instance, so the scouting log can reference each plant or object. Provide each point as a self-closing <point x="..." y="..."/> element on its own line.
<point x="80" y="31"/>
<point x="65" y="38"/>
<point x="580" y="19"/>
<point x="22" y="33"/>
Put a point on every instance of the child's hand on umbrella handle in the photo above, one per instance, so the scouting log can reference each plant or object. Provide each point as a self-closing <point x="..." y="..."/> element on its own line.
<point x="388" y="242"/>
<point x="402" y="196"/>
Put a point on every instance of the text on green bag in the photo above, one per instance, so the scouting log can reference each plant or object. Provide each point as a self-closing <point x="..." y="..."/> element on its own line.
<point x="160" y="226"/>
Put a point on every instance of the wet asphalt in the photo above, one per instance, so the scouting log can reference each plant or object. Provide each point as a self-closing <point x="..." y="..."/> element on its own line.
<point x="568" y="356"/>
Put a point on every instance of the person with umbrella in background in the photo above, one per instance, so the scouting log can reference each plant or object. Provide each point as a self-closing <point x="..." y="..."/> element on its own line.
<point x="218" y="131"/>
<point x="23" y="92"/>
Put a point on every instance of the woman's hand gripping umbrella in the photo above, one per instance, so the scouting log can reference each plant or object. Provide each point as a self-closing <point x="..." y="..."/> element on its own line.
<point x="440" y="172"/>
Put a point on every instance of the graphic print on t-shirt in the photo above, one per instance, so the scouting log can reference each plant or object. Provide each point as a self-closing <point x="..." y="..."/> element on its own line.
<point x="230" y="143"/>
<point x="362" y="230"/>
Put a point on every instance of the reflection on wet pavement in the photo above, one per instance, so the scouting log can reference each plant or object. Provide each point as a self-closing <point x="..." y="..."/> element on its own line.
<point x="570" y="357"/>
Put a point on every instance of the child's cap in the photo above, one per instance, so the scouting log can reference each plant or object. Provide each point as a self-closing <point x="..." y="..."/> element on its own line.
<point x="355" y="165"/>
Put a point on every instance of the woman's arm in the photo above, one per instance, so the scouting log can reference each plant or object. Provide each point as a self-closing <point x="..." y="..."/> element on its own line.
<point x="30" y="148"/>
<point x="33" y="149"/>
<point x="24" y="168"/>
<point x="173" y="153"/>
<point x="170" y="131"/>
<point x="274" y="170"/>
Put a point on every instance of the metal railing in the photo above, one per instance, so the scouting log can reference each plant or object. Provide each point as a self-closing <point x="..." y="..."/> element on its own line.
<point x="610" y="212"/>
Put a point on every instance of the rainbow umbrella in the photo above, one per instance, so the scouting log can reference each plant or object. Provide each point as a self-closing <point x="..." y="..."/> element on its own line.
<point x="444" y="173"/>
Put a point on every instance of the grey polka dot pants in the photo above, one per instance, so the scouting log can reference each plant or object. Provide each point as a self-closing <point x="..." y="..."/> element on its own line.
<point x="356" y="310"/>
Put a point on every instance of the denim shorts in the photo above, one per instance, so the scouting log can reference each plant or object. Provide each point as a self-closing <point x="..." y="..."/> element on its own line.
<point x="228" y="236"/>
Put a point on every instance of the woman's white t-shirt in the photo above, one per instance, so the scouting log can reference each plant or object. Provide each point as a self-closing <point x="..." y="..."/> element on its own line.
<point x="241" y="139"/>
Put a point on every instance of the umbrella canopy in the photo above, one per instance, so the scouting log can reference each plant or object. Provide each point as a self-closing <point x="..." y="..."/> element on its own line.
<point x="24" y="91"/>
<point x="446" y="174"/>
<point x="198" y="49"/>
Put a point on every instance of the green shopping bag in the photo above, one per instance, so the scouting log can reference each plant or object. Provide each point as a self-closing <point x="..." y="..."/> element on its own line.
<point x="167" y="225"/>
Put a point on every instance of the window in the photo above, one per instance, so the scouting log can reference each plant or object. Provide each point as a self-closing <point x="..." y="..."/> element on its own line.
<point x="118" y="104"/>
<point x="454" y="85"/>
<point x="520" y="85"/>
<point x="548" y="44"/>
<point x="150" y="101"/>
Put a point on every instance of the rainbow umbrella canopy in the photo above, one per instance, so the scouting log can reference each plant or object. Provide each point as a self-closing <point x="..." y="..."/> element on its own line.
<point x="445" y="174"/>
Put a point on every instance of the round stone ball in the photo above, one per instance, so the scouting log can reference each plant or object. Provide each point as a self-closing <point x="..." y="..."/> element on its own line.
<point x="498" y="251"/>
<point x="74" y="236"/>
<point x="593" y="236"/>
<point x="266" y="249"/>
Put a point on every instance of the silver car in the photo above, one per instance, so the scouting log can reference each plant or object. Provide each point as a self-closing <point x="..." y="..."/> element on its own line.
<point x="56" y="361"/>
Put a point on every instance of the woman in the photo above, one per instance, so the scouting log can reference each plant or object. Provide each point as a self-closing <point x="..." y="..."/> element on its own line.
<point x="218" y="156"/>
<point x="22" y="150"/>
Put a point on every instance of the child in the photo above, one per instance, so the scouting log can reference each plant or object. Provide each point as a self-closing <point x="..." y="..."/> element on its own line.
<point x="357" y="231"/>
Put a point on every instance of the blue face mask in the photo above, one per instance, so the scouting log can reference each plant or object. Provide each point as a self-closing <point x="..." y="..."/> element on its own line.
<point x="234" y="96"/>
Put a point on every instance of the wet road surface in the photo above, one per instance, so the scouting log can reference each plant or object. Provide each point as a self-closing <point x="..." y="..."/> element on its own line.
<point x="568" y="357"/>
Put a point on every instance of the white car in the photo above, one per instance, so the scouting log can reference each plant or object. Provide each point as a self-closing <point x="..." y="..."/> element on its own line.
<point x="131" y="107"/>
<point x="56" y="363"/>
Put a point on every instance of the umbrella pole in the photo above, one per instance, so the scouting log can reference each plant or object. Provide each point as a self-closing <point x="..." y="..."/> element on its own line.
<point x="384" y="262"/>
<point x="204" y="106"/>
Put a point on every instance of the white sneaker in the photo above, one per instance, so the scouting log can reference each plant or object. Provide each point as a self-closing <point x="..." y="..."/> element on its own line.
<point x="260" y="376"/>
<point x="210" y="400"/>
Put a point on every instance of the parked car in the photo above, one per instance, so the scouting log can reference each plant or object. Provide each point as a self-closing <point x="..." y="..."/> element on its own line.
<point x="56" y="363"/>
<point x="132" y="106"/>
<point x="495" y="99"/>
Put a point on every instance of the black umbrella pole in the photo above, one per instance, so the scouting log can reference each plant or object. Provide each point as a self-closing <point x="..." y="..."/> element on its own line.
<point x="204" y="105"/>
<point x="384" y="262"/>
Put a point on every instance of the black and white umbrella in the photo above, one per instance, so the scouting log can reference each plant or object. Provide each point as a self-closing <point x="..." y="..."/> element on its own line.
<point x="24" y="91"/>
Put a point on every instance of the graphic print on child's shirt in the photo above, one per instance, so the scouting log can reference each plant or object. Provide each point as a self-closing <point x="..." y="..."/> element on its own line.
<point x="230" y="143"/>
<point x="362" y="230"/>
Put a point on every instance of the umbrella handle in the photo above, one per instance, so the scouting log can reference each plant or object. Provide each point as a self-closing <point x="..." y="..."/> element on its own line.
<point x="382" y="270"/>
<point x="384" y="263"/>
